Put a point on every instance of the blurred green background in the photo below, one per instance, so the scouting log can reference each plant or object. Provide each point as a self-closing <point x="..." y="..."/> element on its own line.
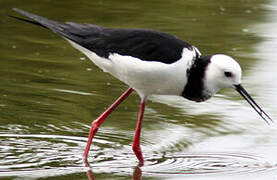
<point x="50" y="93"/>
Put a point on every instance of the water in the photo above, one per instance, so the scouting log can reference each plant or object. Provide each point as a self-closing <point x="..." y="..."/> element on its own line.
<point x="50" y="93"/>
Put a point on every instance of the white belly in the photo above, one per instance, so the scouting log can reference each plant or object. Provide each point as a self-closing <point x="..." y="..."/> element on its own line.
<point x="149" y="77"/>
<point x="146" y="77"/>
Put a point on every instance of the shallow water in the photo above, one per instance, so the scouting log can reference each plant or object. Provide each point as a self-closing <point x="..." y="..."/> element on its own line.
<point x="50" y="93"/>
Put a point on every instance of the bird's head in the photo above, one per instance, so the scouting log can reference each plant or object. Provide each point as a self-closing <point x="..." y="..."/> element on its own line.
<point x="222" y="72"/>
<point x="225" y="72"/>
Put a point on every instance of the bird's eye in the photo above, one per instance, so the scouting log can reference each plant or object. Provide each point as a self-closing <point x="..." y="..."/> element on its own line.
<point x="228" y="74"/>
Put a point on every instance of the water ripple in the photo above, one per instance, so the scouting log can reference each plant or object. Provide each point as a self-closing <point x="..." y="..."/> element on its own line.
<point x="206" y="163"/>
<point x="36" y="155"/>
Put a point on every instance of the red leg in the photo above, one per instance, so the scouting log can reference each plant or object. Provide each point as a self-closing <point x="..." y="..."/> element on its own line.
<point x="136" y="141"/>
<point x="96" y="123"/>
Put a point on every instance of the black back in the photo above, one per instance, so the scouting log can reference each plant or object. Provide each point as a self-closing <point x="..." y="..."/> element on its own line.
<point x="144" y="44"/>
<point x="194" y="89"/>
<point x="147" y="45"/>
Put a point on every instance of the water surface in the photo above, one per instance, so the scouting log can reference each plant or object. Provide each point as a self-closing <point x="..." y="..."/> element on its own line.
<point x="50" y="93"/>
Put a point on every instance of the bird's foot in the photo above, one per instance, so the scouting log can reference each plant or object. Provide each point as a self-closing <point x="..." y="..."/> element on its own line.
<point x="138" y="153"/>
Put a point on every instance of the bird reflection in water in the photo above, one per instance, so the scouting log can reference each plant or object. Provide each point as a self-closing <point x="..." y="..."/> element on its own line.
<point x="137" y="174"/>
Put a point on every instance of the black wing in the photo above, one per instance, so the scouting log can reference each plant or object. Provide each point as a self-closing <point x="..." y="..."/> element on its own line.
<point x="148" y="45"/>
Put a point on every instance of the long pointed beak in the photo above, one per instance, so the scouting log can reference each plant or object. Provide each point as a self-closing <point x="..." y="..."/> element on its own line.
<point x="253" y="104"/>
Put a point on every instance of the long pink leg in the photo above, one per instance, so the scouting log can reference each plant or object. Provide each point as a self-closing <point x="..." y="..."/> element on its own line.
<point x="97" y="123"/>
<point x="136" y="142"/>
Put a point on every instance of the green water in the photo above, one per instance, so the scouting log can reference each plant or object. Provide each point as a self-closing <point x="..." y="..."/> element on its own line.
<point x="50" y="93"/>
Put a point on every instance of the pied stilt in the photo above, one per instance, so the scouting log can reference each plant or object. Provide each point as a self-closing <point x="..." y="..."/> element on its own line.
<point x="149" y="62"/>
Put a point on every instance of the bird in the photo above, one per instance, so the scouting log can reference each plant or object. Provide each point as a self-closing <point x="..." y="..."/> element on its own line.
<point x="150" y="62"/>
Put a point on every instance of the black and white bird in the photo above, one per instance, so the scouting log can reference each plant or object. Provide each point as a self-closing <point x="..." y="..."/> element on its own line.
<point x="149" y="62"/>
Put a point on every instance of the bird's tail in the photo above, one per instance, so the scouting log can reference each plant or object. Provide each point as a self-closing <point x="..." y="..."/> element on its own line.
<point x="57" y="27"/>
<point x="75" y="33"/>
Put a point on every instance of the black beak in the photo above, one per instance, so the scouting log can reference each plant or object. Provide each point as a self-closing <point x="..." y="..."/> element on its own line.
<point x="254" y="105"/>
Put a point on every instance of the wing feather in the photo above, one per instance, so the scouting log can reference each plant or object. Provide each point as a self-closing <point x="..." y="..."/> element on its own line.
<point x="147" y="45"/>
